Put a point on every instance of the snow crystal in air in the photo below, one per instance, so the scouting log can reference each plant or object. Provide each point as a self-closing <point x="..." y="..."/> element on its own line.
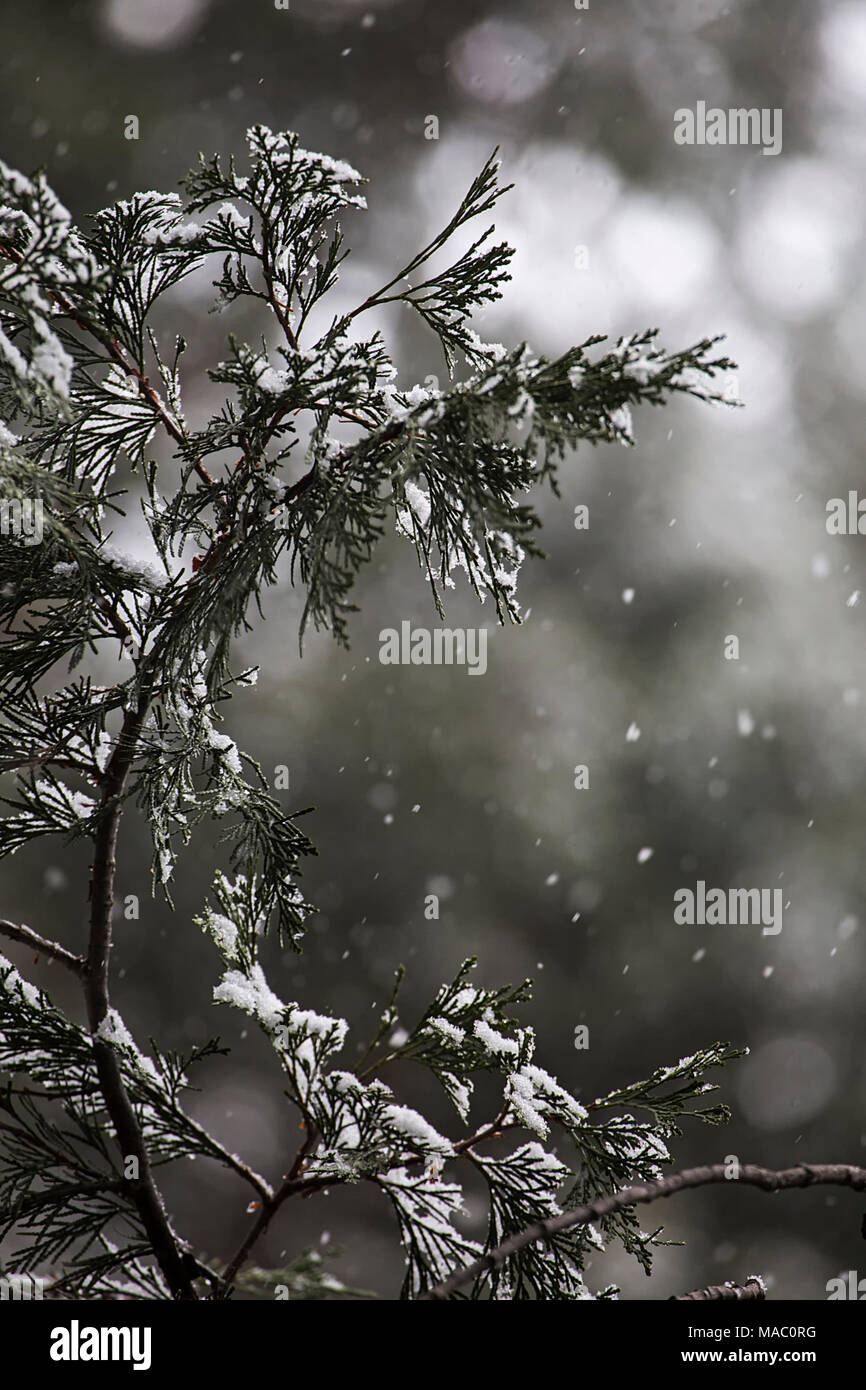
<point x="820" y="566"/>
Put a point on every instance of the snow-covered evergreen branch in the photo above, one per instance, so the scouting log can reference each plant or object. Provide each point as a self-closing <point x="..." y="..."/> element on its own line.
<point x="750" y="1174"/>
<point x="86" y="389"/>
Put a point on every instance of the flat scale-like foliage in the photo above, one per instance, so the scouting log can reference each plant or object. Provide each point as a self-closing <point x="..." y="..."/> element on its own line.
<point x="86" y="387"/>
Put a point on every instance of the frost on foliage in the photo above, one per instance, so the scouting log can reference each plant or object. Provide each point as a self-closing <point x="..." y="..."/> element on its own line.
<point x="48" y="1147"/>
<point x="44" y="259"/>
<point x="355" y="1120"/>
<point x="618" y="1149"/>
<point x="535" y="1098"/>
<point x="191" y="704"/>
<point x="251" y="993"/>
<point x="242" y="918"/>
<point x="135" y="572"/>
<point x="86" y="389"/>
<point x="363" y="1132"/>
<point x="425" y="1208"/>
<point x="193" y="770"/>
<point x="523" y="1189"/>
<point x="13" y="983"/>
<point x="44" y="806"/>
<point x="113" y="1030"/>
<point x="148" y="236"/>
<point x="445" y="1040"/>
<point x="110" y="420"/>
<point x="297" y="192"/>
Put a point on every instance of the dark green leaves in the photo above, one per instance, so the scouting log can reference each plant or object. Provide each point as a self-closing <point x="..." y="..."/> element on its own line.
<point x="313" y="451"/>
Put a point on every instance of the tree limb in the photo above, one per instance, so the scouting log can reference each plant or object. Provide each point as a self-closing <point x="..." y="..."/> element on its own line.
<point x="130" y="1139"/>
<point x="768" y="1179"/>
<point x="753" y="1288"/>
<point x="27" y="937"/>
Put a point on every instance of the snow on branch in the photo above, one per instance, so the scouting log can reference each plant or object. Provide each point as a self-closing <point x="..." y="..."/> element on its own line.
<point x="767" y="1179"/>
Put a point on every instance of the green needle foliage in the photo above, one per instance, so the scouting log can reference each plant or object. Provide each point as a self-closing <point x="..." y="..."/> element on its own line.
<point x="87" y="1120"/>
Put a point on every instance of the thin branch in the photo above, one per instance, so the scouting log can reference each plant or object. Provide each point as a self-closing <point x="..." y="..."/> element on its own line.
<point x="297" y="1185"/>
<point x="342" y="414"/>
<point x="468" y="210"/>
<point x="769" y="1180"/>
<point x="293" y="1184"/>
<point x="152" y="396"/>
<point x="260" y="1225"/>
<point x="290" y="1188"/>
<point x="282" y="311"/>
<point x="120" y="628"/>
<point x="753" y="1288"/>
<point x="237" y="1165"/>
<point x="494" y="1130"/>
<point x="27" y="937"/>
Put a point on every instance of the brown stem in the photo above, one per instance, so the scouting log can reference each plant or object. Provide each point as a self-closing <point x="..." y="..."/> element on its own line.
<point x="492" y="1131"/>
<point x="237" y="1165"/>
<point x="297" y="1185"/>
<point x="291" y="1187"/>
<point x="26" y="937"/>
<point x="753" y="1288"/>
<point x="120" y="628"/>
<point x="143" y="1190"/>
<point x="769" y="1180"/>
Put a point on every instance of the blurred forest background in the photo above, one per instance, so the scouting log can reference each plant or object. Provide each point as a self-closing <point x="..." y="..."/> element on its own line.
<point x="424" y="781"/>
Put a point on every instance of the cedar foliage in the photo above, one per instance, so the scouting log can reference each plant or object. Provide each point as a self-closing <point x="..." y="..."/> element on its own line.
<point x="87" y="1119"/>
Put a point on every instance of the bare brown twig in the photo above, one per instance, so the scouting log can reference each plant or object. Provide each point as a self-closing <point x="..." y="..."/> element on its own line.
<point x="14" y="931"/>
<point x="753" y="1288"/>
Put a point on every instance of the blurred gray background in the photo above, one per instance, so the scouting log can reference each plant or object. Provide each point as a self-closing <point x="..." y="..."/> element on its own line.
<point x="747" y="772"/>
